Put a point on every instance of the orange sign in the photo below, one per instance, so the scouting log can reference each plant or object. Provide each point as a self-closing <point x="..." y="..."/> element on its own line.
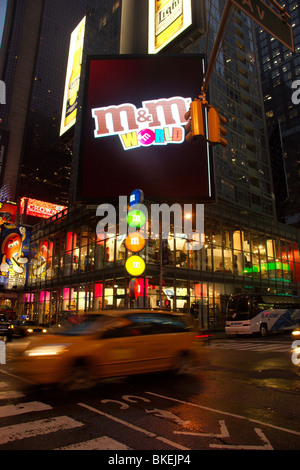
<point x="135" y="242"/>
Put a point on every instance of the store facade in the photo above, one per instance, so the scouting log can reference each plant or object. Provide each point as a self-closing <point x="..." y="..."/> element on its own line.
<point x="73" y="271"/>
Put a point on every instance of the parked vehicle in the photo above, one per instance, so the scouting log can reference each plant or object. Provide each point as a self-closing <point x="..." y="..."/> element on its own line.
<point x="6" y="328"/>
<point x="27" y="328"/>
<point x="263" y="314"/>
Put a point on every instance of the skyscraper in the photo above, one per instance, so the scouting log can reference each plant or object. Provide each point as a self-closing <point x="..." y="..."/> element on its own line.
<point x="244" y="247"/>
<point x="42" y="166"/>
<point x="279" y="68"/>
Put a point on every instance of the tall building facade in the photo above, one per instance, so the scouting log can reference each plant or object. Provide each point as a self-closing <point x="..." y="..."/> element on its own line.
<point x="244" y="249"/>
<point x="280" y="68"/>
<point x="38" y="163"/>
<point x="242" y="170"/>
<point x="21" y="44"/>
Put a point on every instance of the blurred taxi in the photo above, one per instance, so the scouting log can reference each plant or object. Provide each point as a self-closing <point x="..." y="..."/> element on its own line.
<point x="116" y="343"/>
<point x="27" y="328"/>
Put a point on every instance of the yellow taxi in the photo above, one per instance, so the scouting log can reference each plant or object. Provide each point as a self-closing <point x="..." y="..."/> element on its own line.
<point x="115" y="343"/>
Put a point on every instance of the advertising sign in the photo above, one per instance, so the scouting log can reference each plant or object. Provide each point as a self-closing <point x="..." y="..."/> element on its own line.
<point x="15" y="244"/>
<point x="41" y="209"/>
<point x="167" y="19"/>
<point x="132" y="130"/>
<point x="70" y="102"/>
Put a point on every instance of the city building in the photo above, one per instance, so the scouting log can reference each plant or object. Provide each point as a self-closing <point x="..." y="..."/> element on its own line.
<point x="34" y="161"/>
<point x="244" y="248"/>
<point x="33" y="62"/>
<point x="279" y="69"/>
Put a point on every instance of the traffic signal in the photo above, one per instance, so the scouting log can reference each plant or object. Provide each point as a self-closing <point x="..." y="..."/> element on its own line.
<point x="215" y="129"/>
<point x="195" y="126"/>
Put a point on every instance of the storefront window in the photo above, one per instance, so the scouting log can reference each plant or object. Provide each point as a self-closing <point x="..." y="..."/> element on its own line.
<point x="181" y="253"/>
<point x="195" y="258"/>
<point x="109" y="294"/>
<point x="98" y="296"/>
<point x="120" y="250"/>
<point x="182" y="296"/>
<point x="168" y="255"/>
<point x="109" y="251"/>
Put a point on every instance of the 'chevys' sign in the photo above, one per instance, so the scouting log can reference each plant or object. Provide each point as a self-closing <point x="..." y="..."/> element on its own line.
<point x="157" y="122"/>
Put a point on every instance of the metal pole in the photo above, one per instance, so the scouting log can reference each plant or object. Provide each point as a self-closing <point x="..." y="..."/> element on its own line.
<point x="217" y="42"/>
<point x="134" y="27"/>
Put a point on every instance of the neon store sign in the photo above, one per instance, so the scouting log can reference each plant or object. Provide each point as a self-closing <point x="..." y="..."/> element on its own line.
<point x="157" y="122"/>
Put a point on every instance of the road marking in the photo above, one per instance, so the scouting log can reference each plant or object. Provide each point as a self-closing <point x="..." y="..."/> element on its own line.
<point x="167" y="415"/>
<point x="10" y="394"/>
<point x="278" y="428"/>
<point x="265" y="446"/>
<point x="251" y="346"/>
<point x="132" y="426"/>
<point x="223" y="432"/>
<point x="16" y="376"/>
<point x="36" y="428"/>
<point x="21" y="408"/>
<point x="100" y="443"/>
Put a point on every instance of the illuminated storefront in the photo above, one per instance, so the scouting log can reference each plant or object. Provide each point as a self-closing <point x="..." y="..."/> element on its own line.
<point x="71" y="271"/>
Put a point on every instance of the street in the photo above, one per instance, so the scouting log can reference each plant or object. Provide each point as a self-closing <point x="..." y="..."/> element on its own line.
<point x="244" y="395"/>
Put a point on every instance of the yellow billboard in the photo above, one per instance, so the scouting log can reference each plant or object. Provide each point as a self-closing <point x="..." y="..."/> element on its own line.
<point x="167" y="19"/>
<point x="70" y="102"/>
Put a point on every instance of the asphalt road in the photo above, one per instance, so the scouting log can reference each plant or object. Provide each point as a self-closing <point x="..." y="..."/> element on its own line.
<point x="244" y="395"/>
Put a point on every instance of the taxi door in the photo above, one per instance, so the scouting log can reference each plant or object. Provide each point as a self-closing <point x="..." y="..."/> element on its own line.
<point x="120" y="351"/>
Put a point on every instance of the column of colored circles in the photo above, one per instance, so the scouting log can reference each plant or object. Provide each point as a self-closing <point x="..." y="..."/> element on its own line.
<point x="135" y="242"/>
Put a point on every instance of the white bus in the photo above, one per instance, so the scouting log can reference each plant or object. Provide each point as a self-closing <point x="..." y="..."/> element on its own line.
<point x="263" y="314"/>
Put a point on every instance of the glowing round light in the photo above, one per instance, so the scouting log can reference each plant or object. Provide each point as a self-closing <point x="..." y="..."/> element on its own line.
<point x="134" y="288"/>
<point x="136" y="198"/>
<point x="135" y="242"/>
<point x="135" y="265"/>
<point x="136" y="218"/>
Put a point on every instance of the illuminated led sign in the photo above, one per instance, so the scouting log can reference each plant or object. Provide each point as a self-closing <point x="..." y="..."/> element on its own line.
<point x="132" y="130"/>
<point x="157" y="122"/>
<point x="70" y="101"/>
<point x="167" y="20"/>
<point x="40" y="209"/>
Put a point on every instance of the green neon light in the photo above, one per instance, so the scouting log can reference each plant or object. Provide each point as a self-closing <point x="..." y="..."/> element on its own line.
<point x="136" y="219"/>
<point x="277" y="265"/>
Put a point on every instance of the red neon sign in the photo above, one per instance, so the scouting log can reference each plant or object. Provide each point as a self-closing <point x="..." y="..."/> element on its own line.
<point x="40" y="209"/>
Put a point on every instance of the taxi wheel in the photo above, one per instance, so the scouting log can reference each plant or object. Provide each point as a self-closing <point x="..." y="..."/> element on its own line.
<point x="79" y="377"/>
<point x="185" y="364"/>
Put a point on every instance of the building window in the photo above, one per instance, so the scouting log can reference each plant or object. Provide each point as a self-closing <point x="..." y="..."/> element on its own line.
<point x="116" y="5"/>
